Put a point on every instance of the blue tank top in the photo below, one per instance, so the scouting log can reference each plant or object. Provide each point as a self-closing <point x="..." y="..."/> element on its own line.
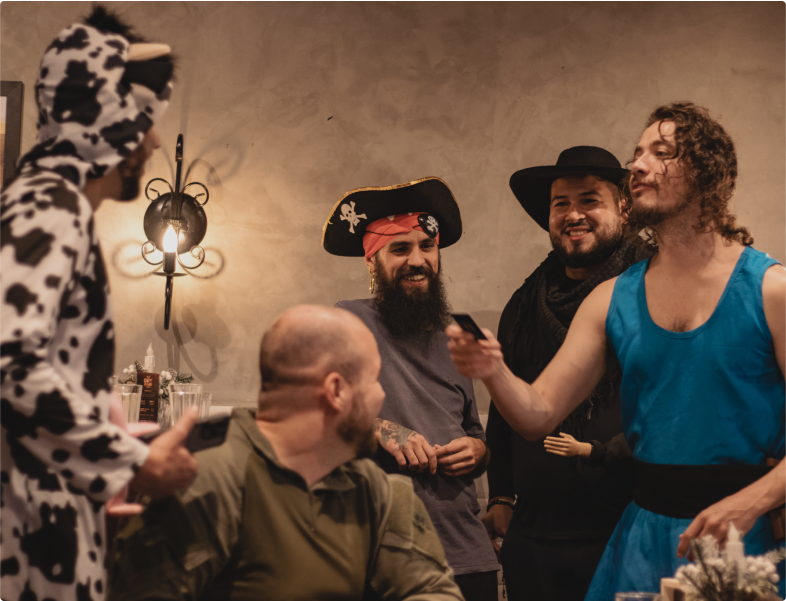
<point x="713" y="395"/>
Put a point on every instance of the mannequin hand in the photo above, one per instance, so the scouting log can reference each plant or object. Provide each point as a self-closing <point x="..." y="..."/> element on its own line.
<point x="407" y="446"/>
<point x="460" y="456"/>
<point x="496" y="522"/>
<point x="474" y="358"/>
<point x="169" y="466"/>
<point x="567" y="446"/>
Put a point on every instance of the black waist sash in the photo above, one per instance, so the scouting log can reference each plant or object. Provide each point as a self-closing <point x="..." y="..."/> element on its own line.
<point x="683" y="491"/>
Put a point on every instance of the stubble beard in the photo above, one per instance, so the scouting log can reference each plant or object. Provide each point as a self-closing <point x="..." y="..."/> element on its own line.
<point x="357" y="430"/>
<point x="413" y="314"/>
<point x="604" y="246"/>
<point x="654" y="215"/>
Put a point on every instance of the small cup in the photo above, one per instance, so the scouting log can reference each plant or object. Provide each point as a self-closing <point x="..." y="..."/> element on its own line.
<point x="131" y="397"/>
<point x="183" y="396"/>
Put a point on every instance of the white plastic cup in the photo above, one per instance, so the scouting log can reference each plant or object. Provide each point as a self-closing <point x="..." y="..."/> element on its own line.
<point x="131" y="397"/>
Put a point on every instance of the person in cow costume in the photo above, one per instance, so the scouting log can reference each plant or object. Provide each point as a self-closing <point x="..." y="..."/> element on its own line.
<point x="99" y="91"/>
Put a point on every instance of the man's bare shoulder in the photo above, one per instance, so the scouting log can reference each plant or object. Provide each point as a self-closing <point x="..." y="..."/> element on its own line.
<point x="596" y="306"/>
<point x="773" y="285"/>
<point x="773" y="292"/>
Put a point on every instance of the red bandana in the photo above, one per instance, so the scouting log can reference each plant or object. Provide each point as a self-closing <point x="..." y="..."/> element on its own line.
<point x="381" y="232"/>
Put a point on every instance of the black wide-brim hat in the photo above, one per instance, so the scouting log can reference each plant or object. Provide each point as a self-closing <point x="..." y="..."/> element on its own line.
<point x="532" y="186"/>
<point x="347" y="222"/>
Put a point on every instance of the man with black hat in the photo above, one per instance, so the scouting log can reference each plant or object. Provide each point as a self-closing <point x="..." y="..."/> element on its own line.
<point x="100" y="89"/>
<point x="572" y="487"/>
<point x="428" y="425"/>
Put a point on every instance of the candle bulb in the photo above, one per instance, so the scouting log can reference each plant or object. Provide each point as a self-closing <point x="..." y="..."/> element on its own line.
<point x="170" y="248"/>
<point x="735" y="552"/>
<point x="150" y="359"/>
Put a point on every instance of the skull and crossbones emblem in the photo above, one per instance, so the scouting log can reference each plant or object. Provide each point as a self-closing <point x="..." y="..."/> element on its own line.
<point x="429" y="224"/>
<point x="348" y="214"/>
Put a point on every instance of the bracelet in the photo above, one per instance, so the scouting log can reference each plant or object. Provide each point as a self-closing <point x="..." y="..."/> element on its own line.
<point x="500" y="501"/>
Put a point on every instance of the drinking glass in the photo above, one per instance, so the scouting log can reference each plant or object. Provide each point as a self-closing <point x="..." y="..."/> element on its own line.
<point x="636" y="597"/>
<point x="205" y="399"/>
<point x="183" y="396"/>
<point x="131" y="397"/>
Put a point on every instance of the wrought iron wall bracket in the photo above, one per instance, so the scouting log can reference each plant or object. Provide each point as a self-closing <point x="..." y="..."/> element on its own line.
<point x="184" y="213"/>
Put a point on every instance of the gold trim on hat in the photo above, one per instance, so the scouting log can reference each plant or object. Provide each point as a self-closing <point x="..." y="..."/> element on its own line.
<point x="382" y="189"/>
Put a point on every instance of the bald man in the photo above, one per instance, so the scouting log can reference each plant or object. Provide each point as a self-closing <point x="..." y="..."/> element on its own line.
<point x="288" y="507"/>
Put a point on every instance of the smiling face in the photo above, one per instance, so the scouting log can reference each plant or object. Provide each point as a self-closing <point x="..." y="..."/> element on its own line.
<point x="584" y="223"/>
<point x="410" y="261"/>
<point x="658" y="185"/>
<point x="410" y="294"/>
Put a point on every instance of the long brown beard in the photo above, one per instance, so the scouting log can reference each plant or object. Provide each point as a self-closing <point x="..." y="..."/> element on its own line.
<point x="416" y="314"/>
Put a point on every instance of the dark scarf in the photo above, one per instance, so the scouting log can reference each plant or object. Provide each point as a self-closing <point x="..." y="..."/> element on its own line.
<point x="544" y="315"/>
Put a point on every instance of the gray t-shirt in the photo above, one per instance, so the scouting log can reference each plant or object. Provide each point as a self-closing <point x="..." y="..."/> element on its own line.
<point x="425" y="392"/>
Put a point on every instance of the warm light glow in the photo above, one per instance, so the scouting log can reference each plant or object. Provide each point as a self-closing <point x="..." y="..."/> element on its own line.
<point x="170" y="240"/>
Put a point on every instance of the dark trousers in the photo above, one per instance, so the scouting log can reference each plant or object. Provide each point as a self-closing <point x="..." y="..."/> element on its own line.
<point x="479" y="586"/>
<point x="547" y="569"/>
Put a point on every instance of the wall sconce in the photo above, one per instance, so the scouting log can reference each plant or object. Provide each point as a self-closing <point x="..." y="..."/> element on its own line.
<point x="175" y="223"/>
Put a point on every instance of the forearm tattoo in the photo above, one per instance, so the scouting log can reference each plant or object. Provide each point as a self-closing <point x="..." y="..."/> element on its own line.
<point x="392" y="431"/>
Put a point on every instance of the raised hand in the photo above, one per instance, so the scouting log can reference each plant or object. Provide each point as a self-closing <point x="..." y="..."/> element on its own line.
<point x="474" y="358"/>
<point x="169" y="466"/>
<point x="411" y="450"/>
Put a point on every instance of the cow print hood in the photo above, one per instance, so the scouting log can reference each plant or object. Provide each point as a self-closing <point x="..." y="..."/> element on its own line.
<point x="91" y="115"/>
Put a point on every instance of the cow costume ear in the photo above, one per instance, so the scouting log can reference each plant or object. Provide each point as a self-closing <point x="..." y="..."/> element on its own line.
<point x="153" y="74"/>
<point x="147" y="52"/>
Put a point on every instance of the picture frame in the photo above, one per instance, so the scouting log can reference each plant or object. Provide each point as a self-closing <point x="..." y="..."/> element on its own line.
<point x="11" y="103"/>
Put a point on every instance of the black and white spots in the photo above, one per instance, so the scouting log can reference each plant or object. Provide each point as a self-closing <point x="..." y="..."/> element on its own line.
<point x="80" y="107"/>
<point x="20" y="297"/>
<point x="53" y="547"/>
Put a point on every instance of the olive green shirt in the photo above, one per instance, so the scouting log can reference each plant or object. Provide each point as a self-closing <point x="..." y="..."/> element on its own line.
<point x="249" y="528"/>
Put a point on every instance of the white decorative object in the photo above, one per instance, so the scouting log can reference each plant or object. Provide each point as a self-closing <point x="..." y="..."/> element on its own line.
<point x="735" y="552"/>
<point x="728" y="575"/>
<point x="150" y="358"/>
<point x="348" y="214"/>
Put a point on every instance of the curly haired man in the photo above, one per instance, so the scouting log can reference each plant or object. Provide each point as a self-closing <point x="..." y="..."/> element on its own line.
<point x="700" y="334"/>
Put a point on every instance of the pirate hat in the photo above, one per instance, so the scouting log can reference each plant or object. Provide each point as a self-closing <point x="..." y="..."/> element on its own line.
<point x="532" y="186"/>
<point x="346" y="224"/>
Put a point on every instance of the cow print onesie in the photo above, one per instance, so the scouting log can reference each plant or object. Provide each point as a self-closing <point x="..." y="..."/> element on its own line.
<point x="60" y="457"/>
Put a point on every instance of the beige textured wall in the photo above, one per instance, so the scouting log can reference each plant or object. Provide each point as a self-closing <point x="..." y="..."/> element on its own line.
<point x="284" y="107"/>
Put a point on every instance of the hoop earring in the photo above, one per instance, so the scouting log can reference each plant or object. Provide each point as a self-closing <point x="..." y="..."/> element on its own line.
<point x="371" y="282"/>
